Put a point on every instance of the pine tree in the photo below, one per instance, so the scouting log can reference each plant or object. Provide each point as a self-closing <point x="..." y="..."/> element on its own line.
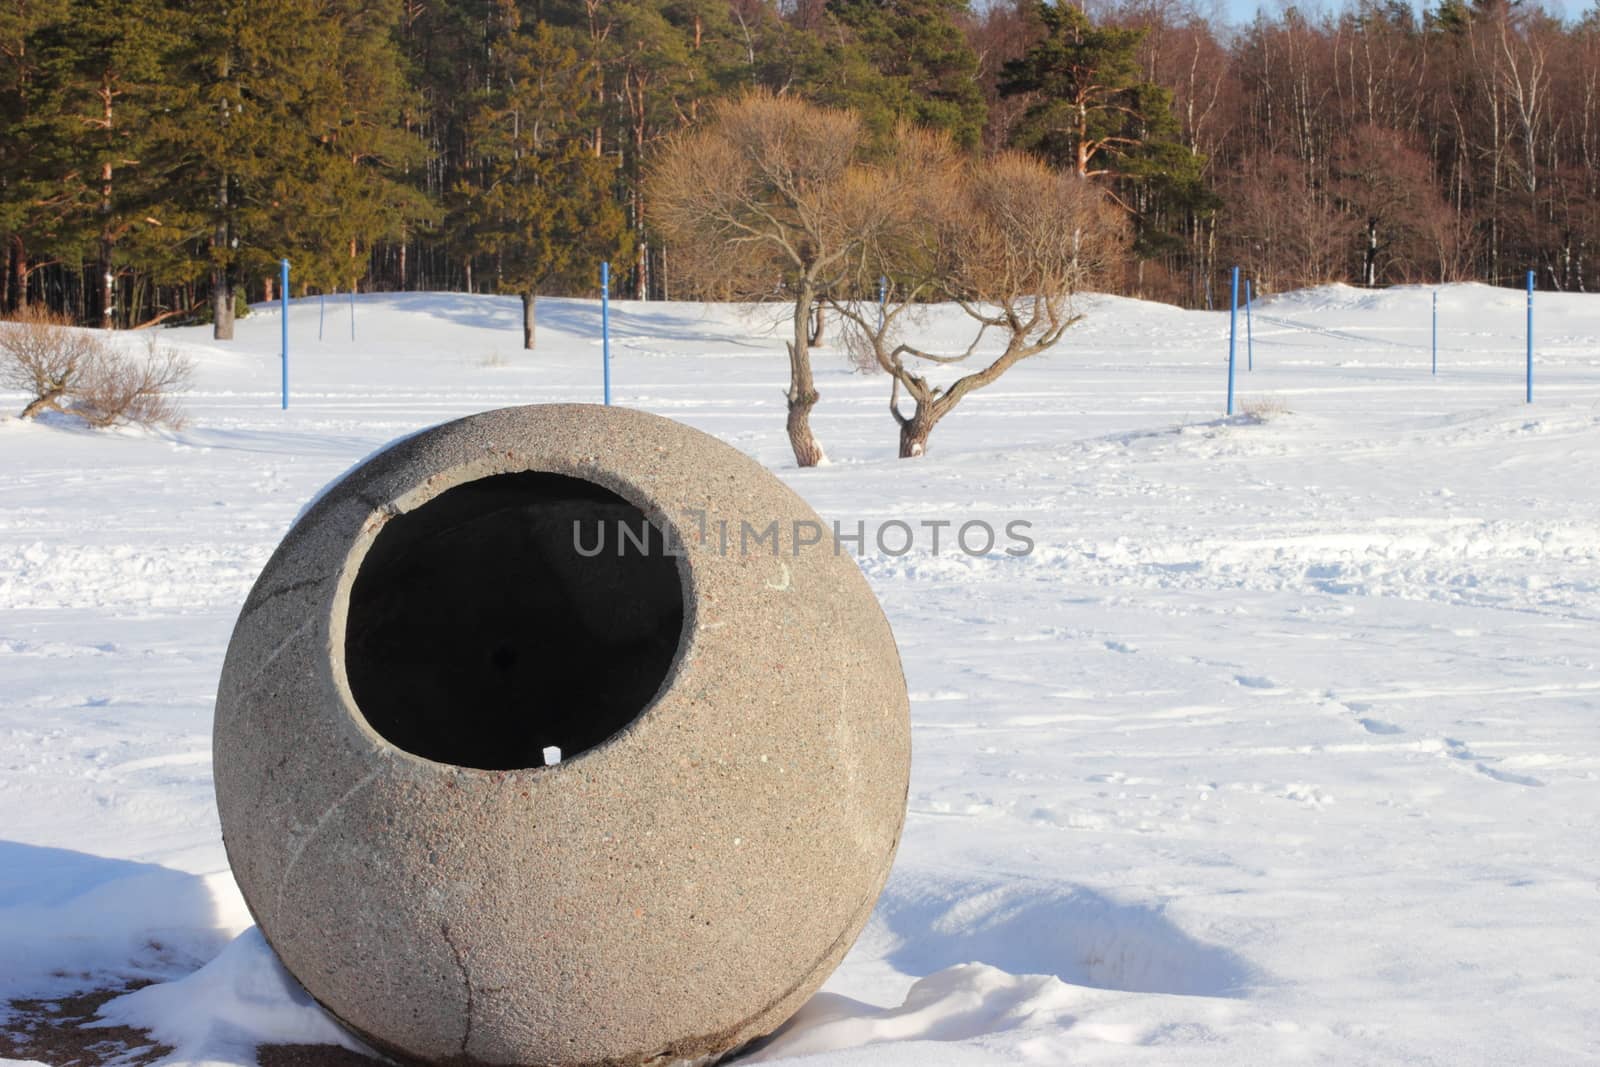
<point x="538" y="202"/>
<point x="1090" y="96"/>
<point x="665" y="60"/>
<point x="98" y="85"/>
<point x="20" y="23"/>
<point x="927" y="72"/>
<point x="1163" y="179"/>
<point x="285" y="108"/>
<point x="353" y="191"/>
<point x="1094" y="112"/>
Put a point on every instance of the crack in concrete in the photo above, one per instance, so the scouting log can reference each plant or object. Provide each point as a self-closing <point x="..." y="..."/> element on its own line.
<point x="292" y="587"/>
<point x="271" y="657"/>
<point x="316" y="828"/>
<point x="466" y="982"/>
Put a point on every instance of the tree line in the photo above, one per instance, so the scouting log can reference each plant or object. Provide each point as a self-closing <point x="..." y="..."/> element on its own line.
<point x="157" y="157"/>
<point x="1376" y="147"/>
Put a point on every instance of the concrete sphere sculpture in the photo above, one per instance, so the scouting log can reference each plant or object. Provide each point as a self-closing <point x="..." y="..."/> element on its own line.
<point x="561" y="735"/>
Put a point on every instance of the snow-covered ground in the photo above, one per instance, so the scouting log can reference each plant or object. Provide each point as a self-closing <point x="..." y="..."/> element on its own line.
<point x="1283" y="744"/>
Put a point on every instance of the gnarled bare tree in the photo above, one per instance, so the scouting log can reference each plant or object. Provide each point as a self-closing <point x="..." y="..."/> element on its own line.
<point x="773" y="199"/>
<point x="1010" y="242"/>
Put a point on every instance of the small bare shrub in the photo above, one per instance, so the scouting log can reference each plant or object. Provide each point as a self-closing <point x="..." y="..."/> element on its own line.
<point x="76" y="372"/>
<point x="1264" y="410"/>
<point x="42" y="356"/>
<point x="117" y="387"/>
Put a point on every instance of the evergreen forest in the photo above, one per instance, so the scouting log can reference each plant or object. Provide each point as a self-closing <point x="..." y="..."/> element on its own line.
<point x="158" y="157"/>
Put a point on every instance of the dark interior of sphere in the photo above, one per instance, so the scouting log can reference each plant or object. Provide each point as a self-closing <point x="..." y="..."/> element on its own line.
<point x="510" y="615"/>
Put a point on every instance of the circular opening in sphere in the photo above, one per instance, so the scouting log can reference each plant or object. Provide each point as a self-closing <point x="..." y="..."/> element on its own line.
<point x="512" y="622"/>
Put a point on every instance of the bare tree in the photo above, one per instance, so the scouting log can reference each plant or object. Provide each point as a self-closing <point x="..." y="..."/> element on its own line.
<point x="1286" y="229"/>
<point x="1384" y="177"/>
<point x="78" y="373"/>
<point x="1010" y="242"/>
<point x="772" y="200"/>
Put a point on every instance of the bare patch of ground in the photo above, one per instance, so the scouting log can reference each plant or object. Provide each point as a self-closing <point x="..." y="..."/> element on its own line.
<point x="52" y="1030"/>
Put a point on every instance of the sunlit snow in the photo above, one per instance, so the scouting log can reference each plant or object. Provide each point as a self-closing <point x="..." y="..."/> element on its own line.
<point x="1282" y="743"/>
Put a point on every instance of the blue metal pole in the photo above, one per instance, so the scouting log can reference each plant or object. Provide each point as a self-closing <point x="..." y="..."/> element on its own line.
<point x="1233" y="332"/>
<point x="1436" y="332"/>
<point x="883" y="299"/>
<point x="1530" y="337"/>
<point x="605" y="328"/>
<point x="1249" y="331"/>
<point x="283" y="304"/>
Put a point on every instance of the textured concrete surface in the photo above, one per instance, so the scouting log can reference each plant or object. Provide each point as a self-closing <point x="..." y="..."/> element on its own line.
<point x="670" y="893"/>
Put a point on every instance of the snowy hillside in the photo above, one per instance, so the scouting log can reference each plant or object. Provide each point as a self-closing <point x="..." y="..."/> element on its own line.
<point x="1283" y="744"/>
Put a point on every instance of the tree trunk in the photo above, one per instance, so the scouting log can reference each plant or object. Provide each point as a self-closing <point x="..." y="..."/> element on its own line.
<point x="802" y="393"/>
<point x="527" y="320"/>
<point x="914" y="434"/>
<point x="6" y="304"/>
<point x="18" y="274"/>
<point x="222" y="273"/>
<point x="819" y="323"/>
<point x="807" y="451"/>
<point x="221" y="304"/>
<point x="108" y="290"/>
<point x="49" y="402"/>
<point x="162" y="316"/>
<point x="1369" y="263"/>
<point x="641" y="268"/>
